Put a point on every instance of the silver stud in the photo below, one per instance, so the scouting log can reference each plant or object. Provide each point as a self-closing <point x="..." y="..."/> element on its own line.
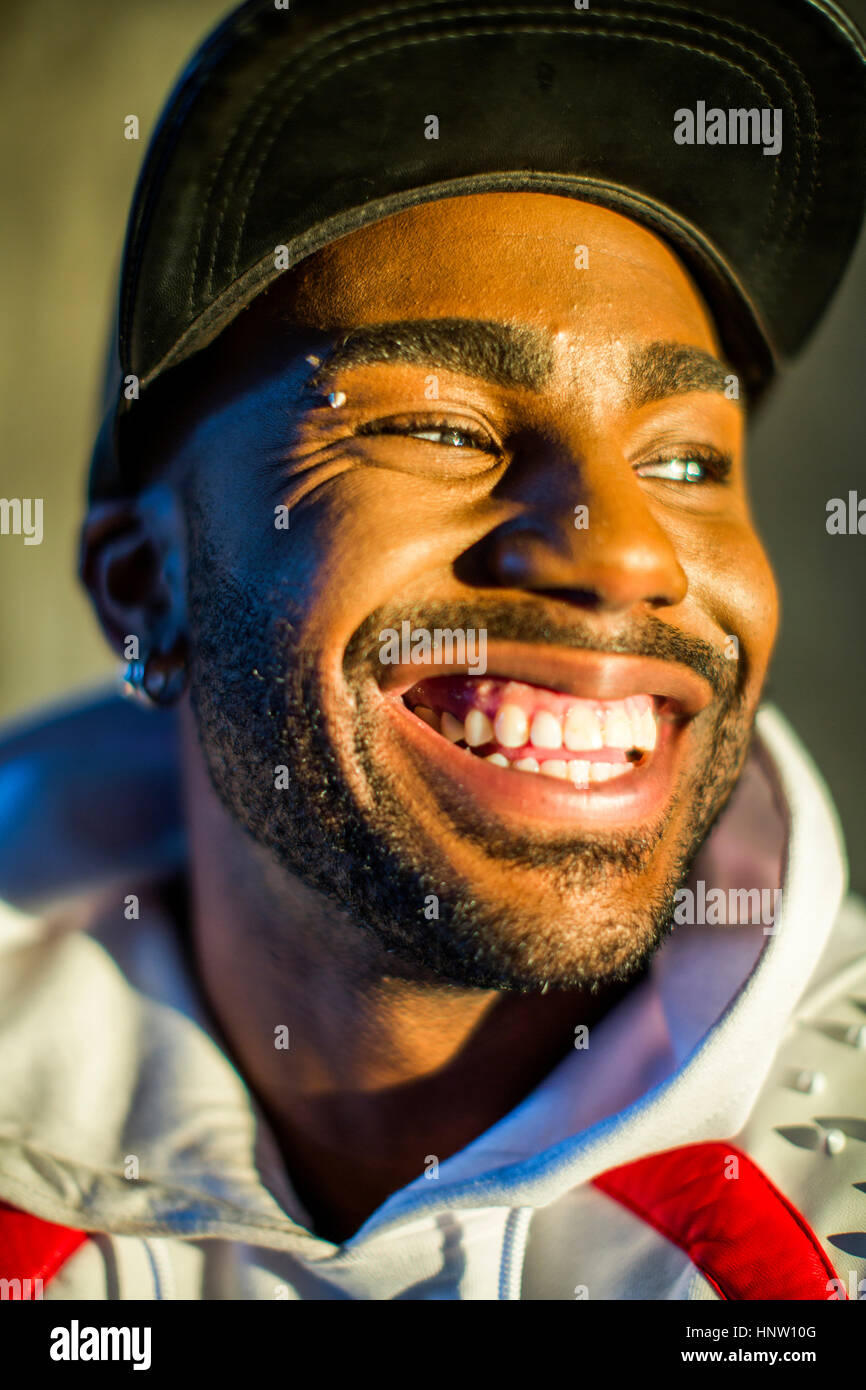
<point x="834" y="1141"/>
<point x="856" y="1035"/>
<point x="314" y="361"/>
<point x="810" y="1082"/>
<point x="132" y="683"/>
<point x="337" y="398"/>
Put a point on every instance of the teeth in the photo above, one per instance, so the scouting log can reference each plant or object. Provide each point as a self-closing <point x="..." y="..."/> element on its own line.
<point x="603" y="772"/>
<point x="618" y="732"/>
<point x="554" y="767"/>
<point x="648" y="731"/>
<point x="625" y="725"/>
<point x="578" y="772"/>
<point x="478" y="728"/>
<point x="511" y="727"/>
<point x="546" y="731"/>
<point x="582" y="729"/>
<point x="452" y="728"/>
<point x="428" y="715"/>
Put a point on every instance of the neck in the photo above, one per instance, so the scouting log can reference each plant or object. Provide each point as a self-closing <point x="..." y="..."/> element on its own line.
<point x="385" y="1065"/>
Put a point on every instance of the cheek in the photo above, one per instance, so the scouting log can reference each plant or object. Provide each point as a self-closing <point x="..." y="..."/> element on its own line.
<point x="759" y="598"/>
<point x="356" y="542"/>
<point x="731" y="578"/>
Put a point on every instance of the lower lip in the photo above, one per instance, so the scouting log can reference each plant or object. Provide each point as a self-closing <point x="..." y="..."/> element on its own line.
<point x="635" y="798"/>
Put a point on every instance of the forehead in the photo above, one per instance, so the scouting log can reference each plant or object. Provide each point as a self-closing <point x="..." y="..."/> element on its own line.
<point x="587" y="276"/>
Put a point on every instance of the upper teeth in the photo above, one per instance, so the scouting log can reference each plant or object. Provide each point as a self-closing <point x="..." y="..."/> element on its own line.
<point x="478" y="728"/>
<point x="545" y="730"/>
<point x="618" y="731"/>
<point x="511" y="727"/>
<point x="583" y="728"/>
<point x="452" y="728"/>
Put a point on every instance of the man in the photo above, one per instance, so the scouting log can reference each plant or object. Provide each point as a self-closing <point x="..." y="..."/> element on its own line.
<point x="507" y="956"/>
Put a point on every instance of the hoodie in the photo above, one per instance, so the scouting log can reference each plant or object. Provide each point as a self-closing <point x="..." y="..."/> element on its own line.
<point x="705" y="1140"/>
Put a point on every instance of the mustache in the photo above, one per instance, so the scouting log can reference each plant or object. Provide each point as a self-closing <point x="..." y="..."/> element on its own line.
<point x="526" y="623"/>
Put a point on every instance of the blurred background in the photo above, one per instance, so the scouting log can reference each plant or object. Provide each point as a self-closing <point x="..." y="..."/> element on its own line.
<point x="69" y="75"/>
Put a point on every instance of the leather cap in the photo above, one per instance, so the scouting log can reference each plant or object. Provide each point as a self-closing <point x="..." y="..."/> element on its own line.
<point x="291" y="127"/>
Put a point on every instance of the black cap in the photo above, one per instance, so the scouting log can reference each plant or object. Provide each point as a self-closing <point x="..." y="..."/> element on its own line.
<point x="733" y="129"/>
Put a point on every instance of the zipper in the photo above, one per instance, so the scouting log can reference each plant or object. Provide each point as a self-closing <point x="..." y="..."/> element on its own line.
<point x="513" y="1251"/>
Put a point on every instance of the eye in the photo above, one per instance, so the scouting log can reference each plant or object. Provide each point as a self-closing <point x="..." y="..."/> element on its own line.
<point x="458" y="439"/>
<point x="689" y="466"/>
<point x="446" y="433"/>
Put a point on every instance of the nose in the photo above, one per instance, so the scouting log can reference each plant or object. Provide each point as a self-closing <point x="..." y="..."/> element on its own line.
<point x="586" y="533"/>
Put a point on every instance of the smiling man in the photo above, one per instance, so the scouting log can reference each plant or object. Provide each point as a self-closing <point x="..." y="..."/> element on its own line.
<point x="418" y="1008"/>
<point x="607" y="688"/>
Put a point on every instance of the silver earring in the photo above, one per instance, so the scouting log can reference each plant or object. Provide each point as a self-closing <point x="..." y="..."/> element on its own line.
<point x="154" y="680"/>
<point x="132" y="683"/>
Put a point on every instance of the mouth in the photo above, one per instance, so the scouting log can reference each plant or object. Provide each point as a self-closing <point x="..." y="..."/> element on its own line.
<point x="602" y="742"/>
<point x="545" y="733"/>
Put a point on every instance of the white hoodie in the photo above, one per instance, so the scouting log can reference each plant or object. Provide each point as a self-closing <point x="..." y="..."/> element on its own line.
<point x="121" y="1116"/>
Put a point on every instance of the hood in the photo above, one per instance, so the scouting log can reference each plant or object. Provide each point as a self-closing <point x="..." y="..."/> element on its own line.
<point x="119" y="1110"/>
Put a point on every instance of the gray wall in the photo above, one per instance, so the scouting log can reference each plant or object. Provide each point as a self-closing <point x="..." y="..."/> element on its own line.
<point x="69" y="74"/>
<point x="808" y="448"/>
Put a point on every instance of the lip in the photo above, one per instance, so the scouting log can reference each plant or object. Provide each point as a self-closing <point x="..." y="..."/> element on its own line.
<point x="520" y="800"/>
<point x="584" y="674"/>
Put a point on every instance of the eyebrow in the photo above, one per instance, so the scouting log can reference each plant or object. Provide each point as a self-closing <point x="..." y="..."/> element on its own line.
<point x="496" y="352"/>
<point x="673" y="369"/>
<point x="507" y="355"/>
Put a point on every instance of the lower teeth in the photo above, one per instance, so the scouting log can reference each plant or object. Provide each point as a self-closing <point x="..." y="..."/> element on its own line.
<point x="579" y="772"/>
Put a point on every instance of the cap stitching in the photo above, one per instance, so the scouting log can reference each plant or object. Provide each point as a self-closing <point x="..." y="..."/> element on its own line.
<point x="789" y="62"/>
<point x="359" y="27"/>
<point x="660" y="216"/>
<point x="412" y="16"/>
<point x="465" y="33"/>
<point x="272" y="75"/>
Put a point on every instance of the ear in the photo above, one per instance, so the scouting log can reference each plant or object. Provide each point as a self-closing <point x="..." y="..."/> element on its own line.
<point x="133" y="564"/>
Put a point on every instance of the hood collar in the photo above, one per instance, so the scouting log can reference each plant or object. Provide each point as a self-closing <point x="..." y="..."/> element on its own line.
<point x="110" y="1059"/>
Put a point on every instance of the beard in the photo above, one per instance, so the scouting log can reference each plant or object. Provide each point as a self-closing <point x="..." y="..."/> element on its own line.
<point x="258" y="699"/>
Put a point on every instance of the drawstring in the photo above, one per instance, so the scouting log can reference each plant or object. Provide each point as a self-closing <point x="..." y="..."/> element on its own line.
<point x="513" y="1250"/>
<point x="163" y="1275"/>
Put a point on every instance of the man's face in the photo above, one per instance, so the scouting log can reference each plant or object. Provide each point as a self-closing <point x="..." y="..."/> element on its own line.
<point x="567" y="479"/>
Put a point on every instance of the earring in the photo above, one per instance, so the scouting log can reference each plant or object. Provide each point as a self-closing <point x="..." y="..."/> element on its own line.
<point x="132" y="683"/>
<point x="151" y="687"/>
